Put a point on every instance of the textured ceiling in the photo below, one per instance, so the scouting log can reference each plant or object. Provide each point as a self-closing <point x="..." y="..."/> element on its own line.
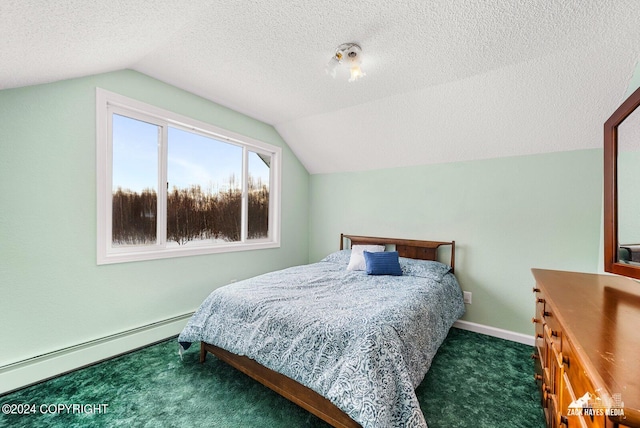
<point x="446" y="81"/>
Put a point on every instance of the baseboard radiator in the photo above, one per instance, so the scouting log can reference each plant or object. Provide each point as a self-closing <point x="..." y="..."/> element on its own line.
<point x="36" y="369"/>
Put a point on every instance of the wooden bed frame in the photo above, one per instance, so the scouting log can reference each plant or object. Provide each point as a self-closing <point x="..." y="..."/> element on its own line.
<point x="296" y="392"/>
<point x="410" y="248"/>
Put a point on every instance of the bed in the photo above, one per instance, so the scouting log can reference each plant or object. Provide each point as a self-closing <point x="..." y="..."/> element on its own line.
<point x="348" y="346"/>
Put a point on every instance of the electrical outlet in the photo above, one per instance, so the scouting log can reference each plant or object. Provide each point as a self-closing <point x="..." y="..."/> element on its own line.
<point x="467" y="297"/>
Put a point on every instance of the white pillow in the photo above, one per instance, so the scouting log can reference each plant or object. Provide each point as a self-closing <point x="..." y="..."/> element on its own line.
<point x="356" y="262"/>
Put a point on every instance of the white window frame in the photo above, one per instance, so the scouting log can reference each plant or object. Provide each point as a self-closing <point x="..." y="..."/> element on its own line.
<point x="108" y="103"/>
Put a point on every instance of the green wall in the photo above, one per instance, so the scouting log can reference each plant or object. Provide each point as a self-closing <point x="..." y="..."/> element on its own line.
<point x="506" y="215"/>
<point x="53" y="295"/>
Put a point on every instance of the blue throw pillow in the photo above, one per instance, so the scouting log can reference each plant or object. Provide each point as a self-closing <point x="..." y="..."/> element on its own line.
<point x="383" y="263"/>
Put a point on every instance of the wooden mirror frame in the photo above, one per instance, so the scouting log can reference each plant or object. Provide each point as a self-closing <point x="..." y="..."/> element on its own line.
<point x="611" y="263"/>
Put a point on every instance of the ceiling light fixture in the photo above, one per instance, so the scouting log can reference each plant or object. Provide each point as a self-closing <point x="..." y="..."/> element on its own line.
<point x="349" y="54"/>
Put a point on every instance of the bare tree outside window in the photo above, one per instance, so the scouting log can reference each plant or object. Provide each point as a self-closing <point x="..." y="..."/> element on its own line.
<point x="200" y="207"/>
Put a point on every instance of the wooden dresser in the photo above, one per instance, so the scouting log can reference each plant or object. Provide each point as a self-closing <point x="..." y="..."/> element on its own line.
<point x="587" y="330"/>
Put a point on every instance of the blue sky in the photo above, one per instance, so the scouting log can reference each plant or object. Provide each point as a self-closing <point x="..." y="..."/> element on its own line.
<point x="192" y="159"/>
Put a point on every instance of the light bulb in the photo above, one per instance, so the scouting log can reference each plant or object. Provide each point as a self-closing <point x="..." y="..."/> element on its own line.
<point x="356" y="73"/>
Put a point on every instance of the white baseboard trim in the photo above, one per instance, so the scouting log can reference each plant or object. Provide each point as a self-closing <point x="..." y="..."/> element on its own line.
<point x="23" y="373"/>
<point x="495" y="332"/>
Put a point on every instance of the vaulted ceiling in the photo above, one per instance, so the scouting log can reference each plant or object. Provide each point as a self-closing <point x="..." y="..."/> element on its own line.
<point x="445" y="80"/>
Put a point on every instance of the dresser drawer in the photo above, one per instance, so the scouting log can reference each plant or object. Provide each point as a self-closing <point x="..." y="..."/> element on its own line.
<point x="554" y="330"/>
<point x="577" y="384"/>
<point x="538" y="319"/>
<point x="554" y="363"/>
<point x="567" y="397"/>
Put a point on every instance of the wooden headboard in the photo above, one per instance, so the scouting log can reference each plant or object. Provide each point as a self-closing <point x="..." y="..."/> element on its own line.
<point x="410" y="248"/>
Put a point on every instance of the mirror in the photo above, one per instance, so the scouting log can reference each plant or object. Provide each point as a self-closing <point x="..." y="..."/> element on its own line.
<point x="628" y="184"/>
<point x="621" y="184"/>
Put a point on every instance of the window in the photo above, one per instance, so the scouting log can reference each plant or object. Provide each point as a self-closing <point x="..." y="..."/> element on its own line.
<point x="172" y="186"/>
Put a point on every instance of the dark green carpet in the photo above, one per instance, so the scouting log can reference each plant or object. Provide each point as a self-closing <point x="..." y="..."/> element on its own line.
<point x="475" y="381"/>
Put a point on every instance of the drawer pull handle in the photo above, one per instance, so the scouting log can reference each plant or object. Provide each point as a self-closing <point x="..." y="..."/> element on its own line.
<point x="535" y="320"/>
<point x="554" y="333"/>
<point x="535" y="356"/>
<point x="565" y="360"/>
<point x="539" y="336"/>
<point x="547" y="314"/>
<point x="536" y="290"/>
<point x="537" y="377"/>
<point x="540" y="300"/>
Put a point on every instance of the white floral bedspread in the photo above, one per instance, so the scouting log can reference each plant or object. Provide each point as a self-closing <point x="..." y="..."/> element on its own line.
<point x="365" y="342"/>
